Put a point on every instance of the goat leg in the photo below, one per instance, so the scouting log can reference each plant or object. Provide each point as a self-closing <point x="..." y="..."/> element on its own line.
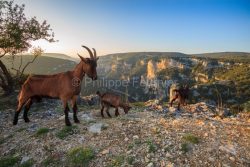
<point x="116" y="112"/>
<point x="21" y="102"/>
<point x="102" y="111"/>
<point x="26" y="109"/>
<point x="75" y="114"/>
<point x="179" y="103"/>
<point x="107" y="111"/>
<point x="66" y="112"/>
<point x="16" y="117"/>
<point x="74" y="106"/>
<point x="171" y="103"/>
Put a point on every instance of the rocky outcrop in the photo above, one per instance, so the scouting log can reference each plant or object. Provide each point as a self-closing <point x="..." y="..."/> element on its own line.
<point x="149" y="135"/>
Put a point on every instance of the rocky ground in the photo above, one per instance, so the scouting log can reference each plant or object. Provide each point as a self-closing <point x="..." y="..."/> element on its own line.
<point x="149" y="135"/>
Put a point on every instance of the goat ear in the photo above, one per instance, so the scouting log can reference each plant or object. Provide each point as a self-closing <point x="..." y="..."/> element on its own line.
<point x="82" y="58"/>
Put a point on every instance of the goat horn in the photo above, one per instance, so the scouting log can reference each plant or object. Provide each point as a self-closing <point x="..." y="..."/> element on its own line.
<point x="90" y="53"/>
<point x="94" y="52"/>
<point x="79" y="55"/>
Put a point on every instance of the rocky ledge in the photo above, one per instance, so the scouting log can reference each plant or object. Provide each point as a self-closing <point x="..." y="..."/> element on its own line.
<point x="149" y="135"/>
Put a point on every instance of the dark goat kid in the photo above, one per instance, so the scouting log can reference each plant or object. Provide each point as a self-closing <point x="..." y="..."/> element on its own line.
<point x="110" y="100"/>
<point x="65" y="86"/>
<point x="182" y="95"/>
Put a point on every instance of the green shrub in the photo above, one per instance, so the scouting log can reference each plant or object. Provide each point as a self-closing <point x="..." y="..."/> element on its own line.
<point x="130" y="146"/>
<point x="80" y="156"/>
<point x="8" y="161"/>
<point x="28" y="163"/>
<point x="42" y="131"/>
<point x="66" y="131"/>
<point x="130" y="160"/>
<point x="184" y="147"/>
<point x="50" y="161"/>
<point x="138" y="104"/>
<point x="191" y="138"/>
<point x="151" y="146"/>
<point x="117" y="161"/>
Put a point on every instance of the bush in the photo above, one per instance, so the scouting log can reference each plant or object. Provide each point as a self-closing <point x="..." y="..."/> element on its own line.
<point x="184" y="147"/>
<point x="42" y="131"/>
<point x="66" y="131"/>
<point x="130" y="160"/>
<point x="50" y="161"/>
<point x="8" y="161"/>
<point x="80" y="156"/>
<point x="28" y="163"/>
<point x="117" y="161"/>
<point x="191" y="138"/>
<point x="151" y="147"/>
<point x="138" y="104"/>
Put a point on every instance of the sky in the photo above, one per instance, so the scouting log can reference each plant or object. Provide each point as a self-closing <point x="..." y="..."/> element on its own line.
<point x="115" y="26"/>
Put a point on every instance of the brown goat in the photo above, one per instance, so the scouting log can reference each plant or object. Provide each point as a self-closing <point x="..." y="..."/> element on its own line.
<point x="65" y="86"/>
<point x="110" y="100"/>
<point x="182" y="95"/>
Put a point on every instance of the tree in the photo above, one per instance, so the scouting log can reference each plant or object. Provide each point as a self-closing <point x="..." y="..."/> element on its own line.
<point x="16" y="34"/>
<point x="36" y="51"/>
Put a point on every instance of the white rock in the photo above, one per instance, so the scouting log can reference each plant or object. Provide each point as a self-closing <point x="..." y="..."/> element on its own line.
<point x="172" y="109"/>
<point x="63" y="116"/>
<point x="228" y="148"/>
<point x="81" y="140"/>
<point x="96" y="128"/>
<point x="168" y="155"/>
<point x="146" y="159"/>
<point x="105" y="151"/>
<point x="87" y="117"/>
<point x="24" y="159"/>
<point x="211" y="159"/>
<point x="135" y="137"/>
<point x="150" y="164"/>
<point x="232" y="159"/>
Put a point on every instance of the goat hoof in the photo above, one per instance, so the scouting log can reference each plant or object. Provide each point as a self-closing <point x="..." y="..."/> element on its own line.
<point x="77" y="121"/>
<point x="27" y="120"/>
<point x="14" y="122"/>
<point x="68" y="123"/>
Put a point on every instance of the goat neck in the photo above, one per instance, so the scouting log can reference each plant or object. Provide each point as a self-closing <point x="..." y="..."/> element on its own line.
<point x="79" y="71"/>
